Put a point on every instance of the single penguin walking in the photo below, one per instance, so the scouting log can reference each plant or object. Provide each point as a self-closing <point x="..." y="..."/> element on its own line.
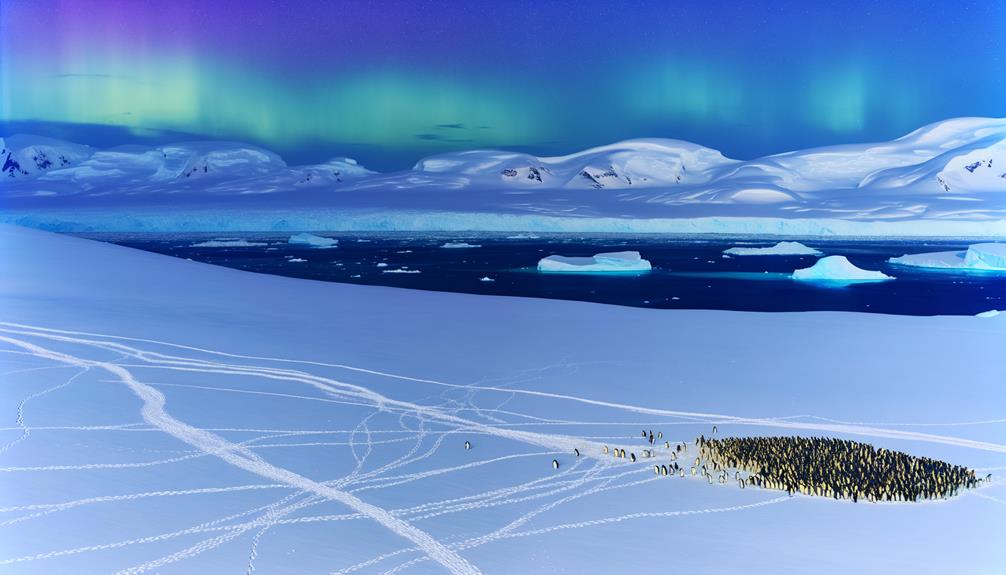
<point x="468" y="445"/>
<point x="555" y="464"/>
<point x="576" y="451"/>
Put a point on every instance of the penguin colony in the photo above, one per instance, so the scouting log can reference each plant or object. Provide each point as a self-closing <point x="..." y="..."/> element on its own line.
<point x="837" y="468"/>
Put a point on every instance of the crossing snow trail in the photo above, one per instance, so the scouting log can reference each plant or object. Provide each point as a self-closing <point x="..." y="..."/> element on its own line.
<point x="153" y="413"/>
<point x="176" y="363"/>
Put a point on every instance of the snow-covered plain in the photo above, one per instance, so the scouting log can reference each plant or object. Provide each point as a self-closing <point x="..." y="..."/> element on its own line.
<point x="166" y="416"/>
<point x="946" y="178"/>
<point x="608" y="262"/>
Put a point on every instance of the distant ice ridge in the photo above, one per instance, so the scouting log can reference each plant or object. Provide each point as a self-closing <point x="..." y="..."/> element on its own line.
<point x="460" y="245"/>
<point x="780" y="249"/>
<point x="978" y="257"/>
<point x="838" y="269"/>
<point x="226" y="243"/>
<point x="989" y="313"/>
<point x="313" y="240"/>
<point x="352" y="220"/>
<point x="604" y="262"/>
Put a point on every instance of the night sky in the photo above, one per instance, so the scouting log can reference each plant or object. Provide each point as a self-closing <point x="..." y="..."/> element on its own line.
<point x="390" y="81"/>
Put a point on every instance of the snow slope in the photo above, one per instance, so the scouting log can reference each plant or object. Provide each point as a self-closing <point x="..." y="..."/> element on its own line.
<point x="172" y="417"/>
<point x="950" y="173"/>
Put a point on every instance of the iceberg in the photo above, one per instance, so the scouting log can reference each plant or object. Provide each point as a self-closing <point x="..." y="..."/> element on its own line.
<point x="487" y="279"/>
<point x="978" y="257"/>
<point x="460" y="245"/>
<point x="838" y="269"/>
<point x="401" y="271"/>
<point x="227" y="244"/>
<point x="604" y="262"/>
<point x="313" y="241"/>
<point x="780" y="249"/>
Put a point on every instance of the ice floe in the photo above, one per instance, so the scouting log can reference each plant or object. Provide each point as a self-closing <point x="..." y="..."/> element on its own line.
<point x="628" y="261"/>
<point x="313" y="241"/>
<point x="779" y="249"/>
<point x="980" y="257"/>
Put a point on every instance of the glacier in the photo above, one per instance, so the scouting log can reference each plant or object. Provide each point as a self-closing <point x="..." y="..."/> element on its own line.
<point x="314" y="427"/>
<point x="608" y="262"/>
<point x="838" y="269"/>
<point x="779" y="249"/>
<point x="978" y="257"/>
<point x="944" y="179"/>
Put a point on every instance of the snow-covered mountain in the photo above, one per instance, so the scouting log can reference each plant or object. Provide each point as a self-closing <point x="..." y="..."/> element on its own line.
<point x="953" y="170"/>
<point x="648" y="163"/>
<point x="34" y="164"/>
<point x="26" y="156"/>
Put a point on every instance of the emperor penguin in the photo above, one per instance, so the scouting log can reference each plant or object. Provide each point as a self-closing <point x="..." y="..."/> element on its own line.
<point x="663" y="470"/>
<point x="714" y="429"/>
<point x="681" y="473"/>
<point x="555" y="464"/>
<point x="667" y="445"/>
<point x="660" y="435"/>
<point x="644" y="433"/>
<point x="576" y="451"/>
<point x="605" y="449"/>
<point x="468" y="445"/>
<point x="656" y="470"/>
<point x="632" y="456"/>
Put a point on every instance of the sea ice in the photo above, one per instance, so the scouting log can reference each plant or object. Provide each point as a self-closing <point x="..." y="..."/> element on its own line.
<point x="840" y="269"/>
<point x="227" y="244"/>
<point x="780" y="249"/>
<point x="313" y="241"/>
<point x="984" y="257"/>
<point x="628" y="261"/>
<point x="460" y="245"/>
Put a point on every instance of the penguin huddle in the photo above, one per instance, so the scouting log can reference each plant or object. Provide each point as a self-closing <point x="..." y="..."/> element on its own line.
<point x="831" y="467"/>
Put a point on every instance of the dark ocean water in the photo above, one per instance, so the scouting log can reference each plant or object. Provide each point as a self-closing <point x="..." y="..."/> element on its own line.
<point x="687" y="274"/>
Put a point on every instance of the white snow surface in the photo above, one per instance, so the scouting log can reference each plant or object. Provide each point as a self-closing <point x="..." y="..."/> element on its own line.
<point x="978" y="257"/>
<point x="173" y="417"/>
<point x="608" y="262"/>
<point x="779" y="249"/>
<point x="313" y="240"/>
<point x="950" y="174"/>
<point x="838" y="268"/>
